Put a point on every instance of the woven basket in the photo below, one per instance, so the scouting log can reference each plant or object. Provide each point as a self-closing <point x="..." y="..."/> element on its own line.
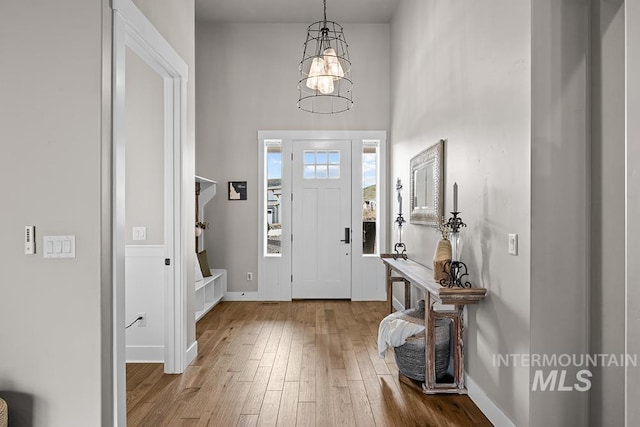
<point x="410" y="357"/>
<point x="4" y="414"/>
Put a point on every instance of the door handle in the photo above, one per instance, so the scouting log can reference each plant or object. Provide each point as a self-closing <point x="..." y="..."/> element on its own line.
<point x="347" y="235"/>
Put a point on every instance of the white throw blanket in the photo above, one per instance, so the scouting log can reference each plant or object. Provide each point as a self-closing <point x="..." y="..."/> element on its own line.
<point x="394" y="331"/>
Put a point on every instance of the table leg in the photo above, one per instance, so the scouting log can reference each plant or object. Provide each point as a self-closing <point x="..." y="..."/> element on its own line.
<point x="407" y="294"/>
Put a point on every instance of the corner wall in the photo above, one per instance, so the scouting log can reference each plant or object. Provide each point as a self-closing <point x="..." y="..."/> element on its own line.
<point x="606" y="405"/>
<point x="50" y="175"/>
<point x="632" y="112"/>
<point x="560" y="200"/>
<point x="247" y="81"/>
<point x="462" y="73"/>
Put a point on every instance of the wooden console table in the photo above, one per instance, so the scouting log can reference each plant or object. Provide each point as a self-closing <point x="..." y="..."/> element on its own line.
<point x="413" y="274"/>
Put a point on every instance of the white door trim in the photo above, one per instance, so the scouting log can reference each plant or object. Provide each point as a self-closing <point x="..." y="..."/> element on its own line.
<point x="132" y="30"/>
<point x="274" y="272"/>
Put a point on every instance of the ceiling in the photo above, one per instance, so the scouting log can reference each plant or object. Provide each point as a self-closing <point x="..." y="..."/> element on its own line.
<point x="295" y="11"/>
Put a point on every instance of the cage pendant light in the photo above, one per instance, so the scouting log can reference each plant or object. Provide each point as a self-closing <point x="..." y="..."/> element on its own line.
<point x="325" y="70"/>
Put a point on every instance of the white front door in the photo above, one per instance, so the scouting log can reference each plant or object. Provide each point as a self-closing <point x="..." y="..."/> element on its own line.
<point x="321" y="248"/>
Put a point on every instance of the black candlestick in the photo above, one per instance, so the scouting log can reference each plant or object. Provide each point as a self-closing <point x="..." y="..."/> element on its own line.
<point x="456" y="270"/>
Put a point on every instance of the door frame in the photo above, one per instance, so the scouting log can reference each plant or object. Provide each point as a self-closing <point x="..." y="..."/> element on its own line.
<point x="367" y="272"/>
<point x="132" y="30"/>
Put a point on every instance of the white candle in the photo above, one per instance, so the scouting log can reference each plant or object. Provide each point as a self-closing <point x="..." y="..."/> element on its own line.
<point x="455" y="197"/>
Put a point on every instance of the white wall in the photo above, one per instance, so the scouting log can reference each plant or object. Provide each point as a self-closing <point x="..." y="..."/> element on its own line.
<point x="50" y="169"/>
<point x="144" y="293"/>
<point x="462" y="73"/>
<point x="247" y="81"/>
<point x="606" y="406"/>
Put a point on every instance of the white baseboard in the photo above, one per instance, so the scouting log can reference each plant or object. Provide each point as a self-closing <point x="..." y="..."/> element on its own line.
<point x="486" y="405"/>
<point x="192" y="352"/>
<point x="145" y="354"/>
<point x="241" y="296"/>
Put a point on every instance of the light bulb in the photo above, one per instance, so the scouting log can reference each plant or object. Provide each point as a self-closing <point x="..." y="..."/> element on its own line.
<point x="316" y="70"/>
<point x="332" y="64"/>
<point x="325" y="84"/>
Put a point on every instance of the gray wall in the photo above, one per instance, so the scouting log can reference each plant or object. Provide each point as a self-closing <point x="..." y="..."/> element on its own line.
<point x="560" y="198"/>
<point x="462" y="73"/>
<point x="50" y="111"/>
<point x="50" y="114"/>
<point x="607" y="208"/>
<point x="632" y="17"/>
<point x="144" y="151"/>
<point x="247" y="81"/>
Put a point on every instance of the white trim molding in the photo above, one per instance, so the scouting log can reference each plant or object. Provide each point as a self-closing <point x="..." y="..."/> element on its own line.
<point x="132" y="30"/>
<point x="486" y="405"/>
<point x="242" y="296"/>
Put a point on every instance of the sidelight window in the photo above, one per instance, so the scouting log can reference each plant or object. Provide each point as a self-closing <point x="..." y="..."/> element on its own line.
<point x="273" y="196"/>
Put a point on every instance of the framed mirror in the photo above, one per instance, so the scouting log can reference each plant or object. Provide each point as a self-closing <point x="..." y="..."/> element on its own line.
<point x="426" y="185"/>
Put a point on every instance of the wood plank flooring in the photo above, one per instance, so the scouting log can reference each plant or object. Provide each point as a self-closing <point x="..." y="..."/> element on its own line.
<point x="300" y="363"/>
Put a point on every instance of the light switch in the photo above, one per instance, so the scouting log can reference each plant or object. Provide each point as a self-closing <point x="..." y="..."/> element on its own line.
<point x="513" y="244"/>
<point x="59" y="246"/>
<point x="139" y="233"/>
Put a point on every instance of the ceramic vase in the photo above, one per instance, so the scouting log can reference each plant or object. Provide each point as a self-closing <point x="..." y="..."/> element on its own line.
<point x="440" y="258"/>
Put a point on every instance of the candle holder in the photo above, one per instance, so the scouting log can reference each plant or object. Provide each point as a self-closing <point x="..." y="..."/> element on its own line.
<point x="398" y="247"/>
<point x="455" y="269"/>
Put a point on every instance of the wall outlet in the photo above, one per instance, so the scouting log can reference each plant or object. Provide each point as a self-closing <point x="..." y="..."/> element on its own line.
<point x="139" y="233"/>
<point x="249" y="277"/>
<point x="142" y="323"/>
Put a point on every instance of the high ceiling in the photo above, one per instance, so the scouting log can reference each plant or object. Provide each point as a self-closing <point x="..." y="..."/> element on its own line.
<point x="295" y="11"/>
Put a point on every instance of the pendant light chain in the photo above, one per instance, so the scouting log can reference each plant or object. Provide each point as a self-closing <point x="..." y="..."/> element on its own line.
<point x="325" y="13"/>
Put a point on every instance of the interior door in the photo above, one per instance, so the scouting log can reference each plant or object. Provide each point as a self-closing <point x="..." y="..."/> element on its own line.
<point x="321" y="219"/>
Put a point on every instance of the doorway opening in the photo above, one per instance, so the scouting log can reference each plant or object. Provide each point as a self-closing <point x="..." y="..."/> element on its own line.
<point x="135" y="39"/>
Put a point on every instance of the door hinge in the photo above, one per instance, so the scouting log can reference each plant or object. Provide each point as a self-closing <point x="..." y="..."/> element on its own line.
<point x="292" y="237"/>
<point x="292" y="278"/>
<point x="167" y="261"/>
<point x="291" y="156"/>
<point x="292" y="197"/>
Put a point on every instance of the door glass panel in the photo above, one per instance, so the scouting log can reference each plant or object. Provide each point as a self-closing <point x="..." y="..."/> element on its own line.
<point x="309" y="157"/>
<point x="309" y="172"/>
<point x="273" y="198"/>
<point x="321" y="157"/>
<point x="321" y="164"/>
<point x="321" y="172"/>
<point x="369" y="197"/>
<point x="334" y="157"/>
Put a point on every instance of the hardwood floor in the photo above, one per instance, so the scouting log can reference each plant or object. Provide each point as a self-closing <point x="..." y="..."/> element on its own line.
<point x="304" y="363"/>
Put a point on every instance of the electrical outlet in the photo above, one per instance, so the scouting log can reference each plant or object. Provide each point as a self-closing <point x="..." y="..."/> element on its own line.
<point x="142" y="323"/>
<point x="249" y="277"/>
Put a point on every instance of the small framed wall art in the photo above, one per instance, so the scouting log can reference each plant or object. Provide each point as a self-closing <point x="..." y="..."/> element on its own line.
<point x="237" y="190"/>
